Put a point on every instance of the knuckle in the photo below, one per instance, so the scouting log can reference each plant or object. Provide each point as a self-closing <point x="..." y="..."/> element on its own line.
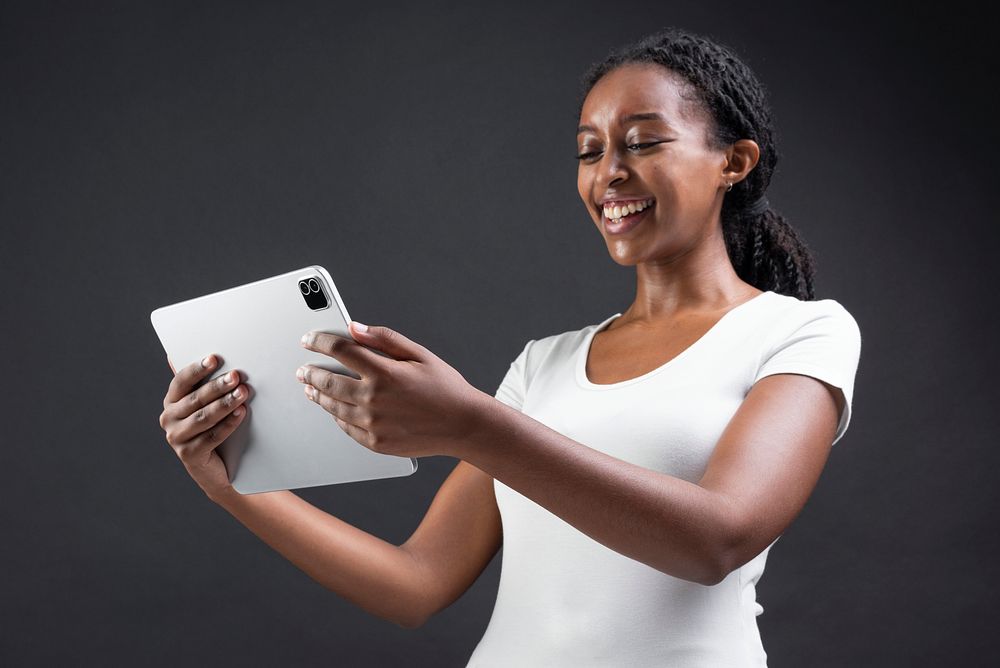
<point x="200" y="415"/>
<point x="336" y="344"/>
<point x="212" y="435"/>
<point x="327" y="382"/>
<point x="381" y="444"/>
<point x="163" y="420"/>
<point x="189" y="376"/>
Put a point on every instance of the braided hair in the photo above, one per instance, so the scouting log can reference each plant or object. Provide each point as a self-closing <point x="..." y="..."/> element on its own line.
<point x="765" y="250"/>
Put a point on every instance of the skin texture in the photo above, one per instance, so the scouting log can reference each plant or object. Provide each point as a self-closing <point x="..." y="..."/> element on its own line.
<point x="685" y="281"/>
<point x="412" y="403"/>
<point x="196" y="421"/>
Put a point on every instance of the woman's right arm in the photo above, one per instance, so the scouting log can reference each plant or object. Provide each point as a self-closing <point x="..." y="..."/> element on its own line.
<point x="405" y="584"/>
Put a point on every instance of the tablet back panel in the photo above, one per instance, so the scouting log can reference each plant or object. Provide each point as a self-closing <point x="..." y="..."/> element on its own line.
<point x="285" y="441"/>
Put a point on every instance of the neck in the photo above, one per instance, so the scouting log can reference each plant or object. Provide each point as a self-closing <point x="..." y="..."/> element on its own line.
<point x="701" y="280"/>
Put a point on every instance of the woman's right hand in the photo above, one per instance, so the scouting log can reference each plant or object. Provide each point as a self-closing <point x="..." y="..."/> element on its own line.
<point x="197" y="421"/>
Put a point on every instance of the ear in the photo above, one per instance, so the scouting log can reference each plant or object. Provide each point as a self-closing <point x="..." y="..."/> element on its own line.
<point x="741" y="158"/>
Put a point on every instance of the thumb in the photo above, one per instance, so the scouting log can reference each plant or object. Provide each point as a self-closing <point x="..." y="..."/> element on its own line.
<point x="388" y="341"/>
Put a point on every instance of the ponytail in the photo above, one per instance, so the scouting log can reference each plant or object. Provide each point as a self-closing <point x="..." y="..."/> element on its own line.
<point x="769" y="254"/>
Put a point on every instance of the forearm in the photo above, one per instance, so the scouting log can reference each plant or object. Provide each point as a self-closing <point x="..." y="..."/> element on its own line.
<point x="663" y="521"/>
<point x="380" y="577"/>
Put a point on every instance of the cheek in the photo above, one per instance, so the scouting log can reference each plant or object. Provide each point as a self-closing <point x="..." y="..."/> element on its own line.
<point x="583" y="188"/>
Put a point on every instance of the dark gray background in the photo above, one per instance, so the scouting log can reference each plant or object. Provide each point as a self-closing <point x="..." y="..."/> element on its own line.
<point x="152" y="153"/>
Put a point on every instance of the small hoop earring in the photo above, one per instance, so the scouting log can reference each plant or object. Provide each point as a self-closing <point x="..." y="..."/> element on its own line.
<point x="729" y="186"/>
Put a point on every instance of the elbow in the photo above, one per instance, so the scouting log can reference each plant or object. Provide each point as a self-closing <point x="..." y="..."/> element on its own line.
<point x="723" y="552"/>
<point x="714" y="575"/>
<point x="715" y="568"/>
<point x="707" y="569"/>
<point x="413" y="615"/>
<point x="411" y="622"/>
<point x="405" y="618"/>
<point x="410" y="617"/>
<point x="712" y="554"/>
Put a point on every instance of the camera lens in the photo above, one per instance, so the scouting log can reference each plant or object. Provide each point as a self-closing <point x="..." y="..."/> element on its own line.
<point x="312" y="293"/>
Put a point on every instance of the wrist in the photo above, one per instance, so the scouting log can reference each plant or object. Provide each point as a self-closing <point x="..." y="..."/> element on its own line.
<point x="481" y="426"/>
<point x="220" y="496"/>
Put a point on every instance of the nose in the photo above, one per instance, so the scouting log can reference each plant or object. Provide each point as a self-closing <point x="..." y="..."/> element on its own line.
<point x="613" y="169"/>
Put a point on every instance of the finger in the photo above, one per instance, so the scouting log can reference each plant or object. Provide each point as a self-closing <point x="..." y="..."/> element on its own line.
<point x="206" y="394"/>
<point x="188" y="377"/>
<point x="346" y="351"/>
<point x="357" y="433"/>
<point x="389" y="341"/>
<point x="352" y="416"/>
<point x="339" y="409"/>
<point x="214" y="436"/>
<point x="206" y="419"/>
<point x="335" y="385"/>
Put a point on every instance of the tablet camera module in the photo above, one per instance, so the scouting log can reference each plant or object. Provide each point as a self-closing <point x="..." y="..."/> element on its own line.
<point x="312" y="292"/>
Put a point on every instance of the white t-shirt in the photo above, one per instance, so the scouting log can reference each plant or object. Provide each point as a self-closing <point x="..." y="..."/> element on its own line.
<point x="567" y="600"/>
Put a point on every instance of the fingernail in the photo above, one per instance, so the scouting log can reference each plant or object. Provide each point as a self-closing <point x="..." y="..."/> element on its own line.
<point x="358" y="326"/>
<point x="306" y="338"/>
<point x="207" y="362"/>
<point x="238" y="411"/>
<point x="237" y="393"/>
<point x="300" y="373"/>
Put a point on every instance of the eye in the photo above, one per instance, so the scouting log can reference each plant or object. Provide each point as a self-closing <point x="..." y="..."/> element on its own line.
<point x="587" y="156"/>
<point x="643" y="145"/>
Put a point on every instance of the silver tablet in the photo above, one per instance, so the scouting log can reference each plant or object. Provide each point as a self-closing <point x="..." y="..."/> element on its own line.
<point x="285" y="441"/>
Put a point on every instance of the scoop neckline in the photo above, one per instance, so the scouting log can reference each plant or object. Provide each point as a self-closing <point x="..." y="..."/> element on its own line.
<point x="584" y="351"/>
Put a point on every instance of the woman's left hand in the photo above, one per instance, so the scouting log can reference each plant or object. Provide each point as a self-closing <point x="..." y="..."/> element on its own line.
<point x="410" y="404"/>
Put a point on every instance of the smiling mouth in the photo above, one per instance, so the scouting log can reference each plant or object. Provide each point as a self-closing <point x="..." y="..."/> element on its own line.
<point x="616" y="211"/>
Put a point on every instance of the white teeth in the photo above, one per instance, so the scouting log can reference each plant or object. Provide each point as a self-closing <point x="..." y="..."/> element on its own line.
<point x="616" y="213"/>
<point x="620" y="211"/>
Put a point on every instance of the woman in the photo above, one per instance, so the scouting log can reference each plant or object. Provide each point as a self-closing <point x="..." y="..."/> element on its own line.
<point x="637" y="470"/>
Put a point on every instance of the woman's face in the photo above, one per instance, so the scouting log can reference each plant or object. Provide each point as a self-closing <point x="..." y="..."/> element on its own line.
<point x="651" y="184"/>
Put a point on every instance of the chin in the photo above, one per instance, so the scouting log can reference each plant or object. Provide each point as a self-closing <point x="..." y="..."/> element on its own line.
<point x="622" y="259"/>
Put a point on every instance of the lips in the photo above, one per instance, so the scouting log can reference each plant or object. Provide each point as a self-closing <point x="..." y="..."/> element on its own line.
<point x="621" y="215"/>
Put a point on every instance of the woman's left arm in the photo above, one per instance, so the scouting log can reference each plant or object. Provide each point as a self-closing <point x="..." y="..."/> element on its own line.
<point x="759" y="477"/>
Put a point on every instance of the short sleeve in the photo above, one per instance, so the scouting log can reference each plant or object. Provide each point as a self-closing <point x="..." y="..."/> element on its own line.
<point x="514" y="385"/>
<point x="823" y="342"/>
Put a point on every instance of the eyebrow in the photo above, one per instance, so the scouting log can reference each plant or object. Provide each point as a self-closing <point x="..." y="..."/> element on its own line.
<point x="631" y="118"/>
